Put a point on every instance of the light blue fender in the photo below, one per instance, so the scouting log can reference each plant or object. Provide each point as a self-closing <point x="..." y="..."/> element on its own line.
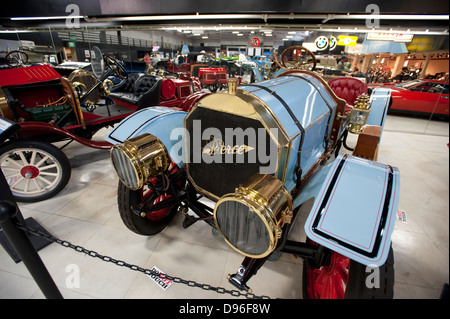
<point x="165" y="123"/>
<point x="354" y="210"/>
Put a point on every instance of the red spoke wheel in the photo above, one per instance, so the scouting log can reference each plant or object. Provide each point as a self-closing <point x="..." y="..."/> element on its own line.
<point x="34" y="170"/>
<point x="146" y="193"/>
<point x="344" y="278"/>
<point x="329" y="281"/>
<point x="154" y="221"/>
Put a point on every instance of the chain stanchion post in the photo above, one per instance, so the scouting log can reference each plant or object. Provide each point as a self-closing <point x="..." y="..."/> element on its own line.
<point x="25" y="249"/>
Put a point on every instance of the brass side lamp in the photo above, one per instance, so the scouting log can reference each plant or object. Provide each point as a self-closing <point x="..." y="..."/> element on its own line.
<point x="232" y="85"/>
<point x="359" y="114"/>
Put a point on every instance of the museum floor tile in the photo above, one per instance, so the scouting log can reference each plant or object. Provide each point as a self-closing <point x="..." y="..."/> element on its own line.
<point x="85" y="213"/>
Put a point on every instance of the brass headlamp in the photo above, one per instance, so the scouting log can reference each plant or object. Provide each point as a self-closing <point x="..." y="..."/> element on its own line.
<point x="139" y="159"/>
<point x="250" y="220"/>
<point x="359" y="114"/>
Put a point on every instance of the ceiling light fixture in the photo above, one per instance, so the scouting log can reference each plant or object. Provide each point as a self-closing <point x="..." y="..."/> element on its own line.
<point x="14" y="31"/>
<point x="350" y="29"/>
<point x="45" y="18"/>
<point x="253" y="16"/>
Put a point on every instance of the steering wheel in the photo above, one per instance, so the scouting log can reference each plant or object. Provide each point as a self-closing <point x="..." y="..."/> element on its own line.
<point x="116" y="66"/>
<point x="16" y="58"/>
<point x="298" y="59"/>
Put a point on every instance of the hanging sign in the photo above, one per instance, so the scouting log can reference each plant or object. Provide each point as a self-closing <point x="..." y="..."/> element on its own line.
<point x="388" y="36"/>
<point x="321" y="43"/>
<point x="347" y="40"/>
<point x="255" y="42"/>
<point x="185" y="49"/>
<point x="333" y="42"/>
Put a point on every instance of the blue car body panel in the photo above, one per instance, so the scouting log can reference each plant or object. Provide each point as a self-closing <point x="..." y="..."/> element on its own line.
<point x="314" y="111"/>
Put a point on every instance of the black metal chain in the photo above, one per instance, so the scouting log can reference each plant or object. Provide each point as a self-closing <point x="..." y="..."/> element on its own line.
<point x="149" y="272"/>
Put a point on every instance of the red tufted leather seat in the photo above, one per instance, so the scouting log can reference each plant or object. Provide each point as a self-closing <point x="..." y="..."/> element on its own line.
<point x="349" y="89"/>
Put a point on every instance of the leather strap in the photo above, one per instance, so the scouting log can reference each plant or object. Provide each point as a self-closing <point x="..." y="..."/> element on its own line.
<point x="296" y="122"/>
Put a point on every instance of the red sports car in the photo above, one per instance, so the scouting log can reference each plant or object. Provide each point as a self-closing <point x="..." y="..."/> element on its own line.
<point x="421" y="97"/>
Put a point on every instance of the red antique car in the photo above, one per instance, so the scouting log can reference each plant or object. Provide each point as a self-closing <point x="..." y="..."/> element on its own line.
<point x="212" y="78"/>
<point x="199" y="68"/>
<point x="183" y="64"/>
<point x="51" y="108"/>
<point x="420" y="97"/>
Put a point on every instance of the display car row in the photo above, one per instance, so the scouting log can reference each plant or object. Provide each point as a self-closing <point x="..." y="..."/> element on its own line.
<point x="265" y="153"/>
<point x="50" y="107"/>
<point x="412" y="96"/>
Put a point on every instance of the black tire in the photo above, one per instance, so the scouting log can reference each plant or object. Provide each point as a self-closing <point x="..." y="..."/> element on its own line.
<point x="358" y="274"/>
<point x="39" y="182"/>
<point x="357" y="288"/>
<point x="127" y="199"/>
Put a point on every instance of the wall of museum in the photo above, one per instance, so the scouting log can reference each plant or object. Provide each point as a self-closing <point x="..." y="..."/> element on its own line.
<point x="132" y="45"/>
<point x="435" y="66"/>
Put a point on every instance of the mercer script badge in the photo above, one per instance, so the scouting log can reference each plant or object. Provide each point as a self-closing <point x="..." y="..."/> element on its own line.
<point x="217" y="146"/>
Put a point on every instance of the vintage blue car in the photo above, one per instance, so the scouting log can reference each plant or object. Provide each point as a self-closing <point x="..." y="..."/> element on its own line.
<point x="266" y="153"/>
<point x="261" y="60"/>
